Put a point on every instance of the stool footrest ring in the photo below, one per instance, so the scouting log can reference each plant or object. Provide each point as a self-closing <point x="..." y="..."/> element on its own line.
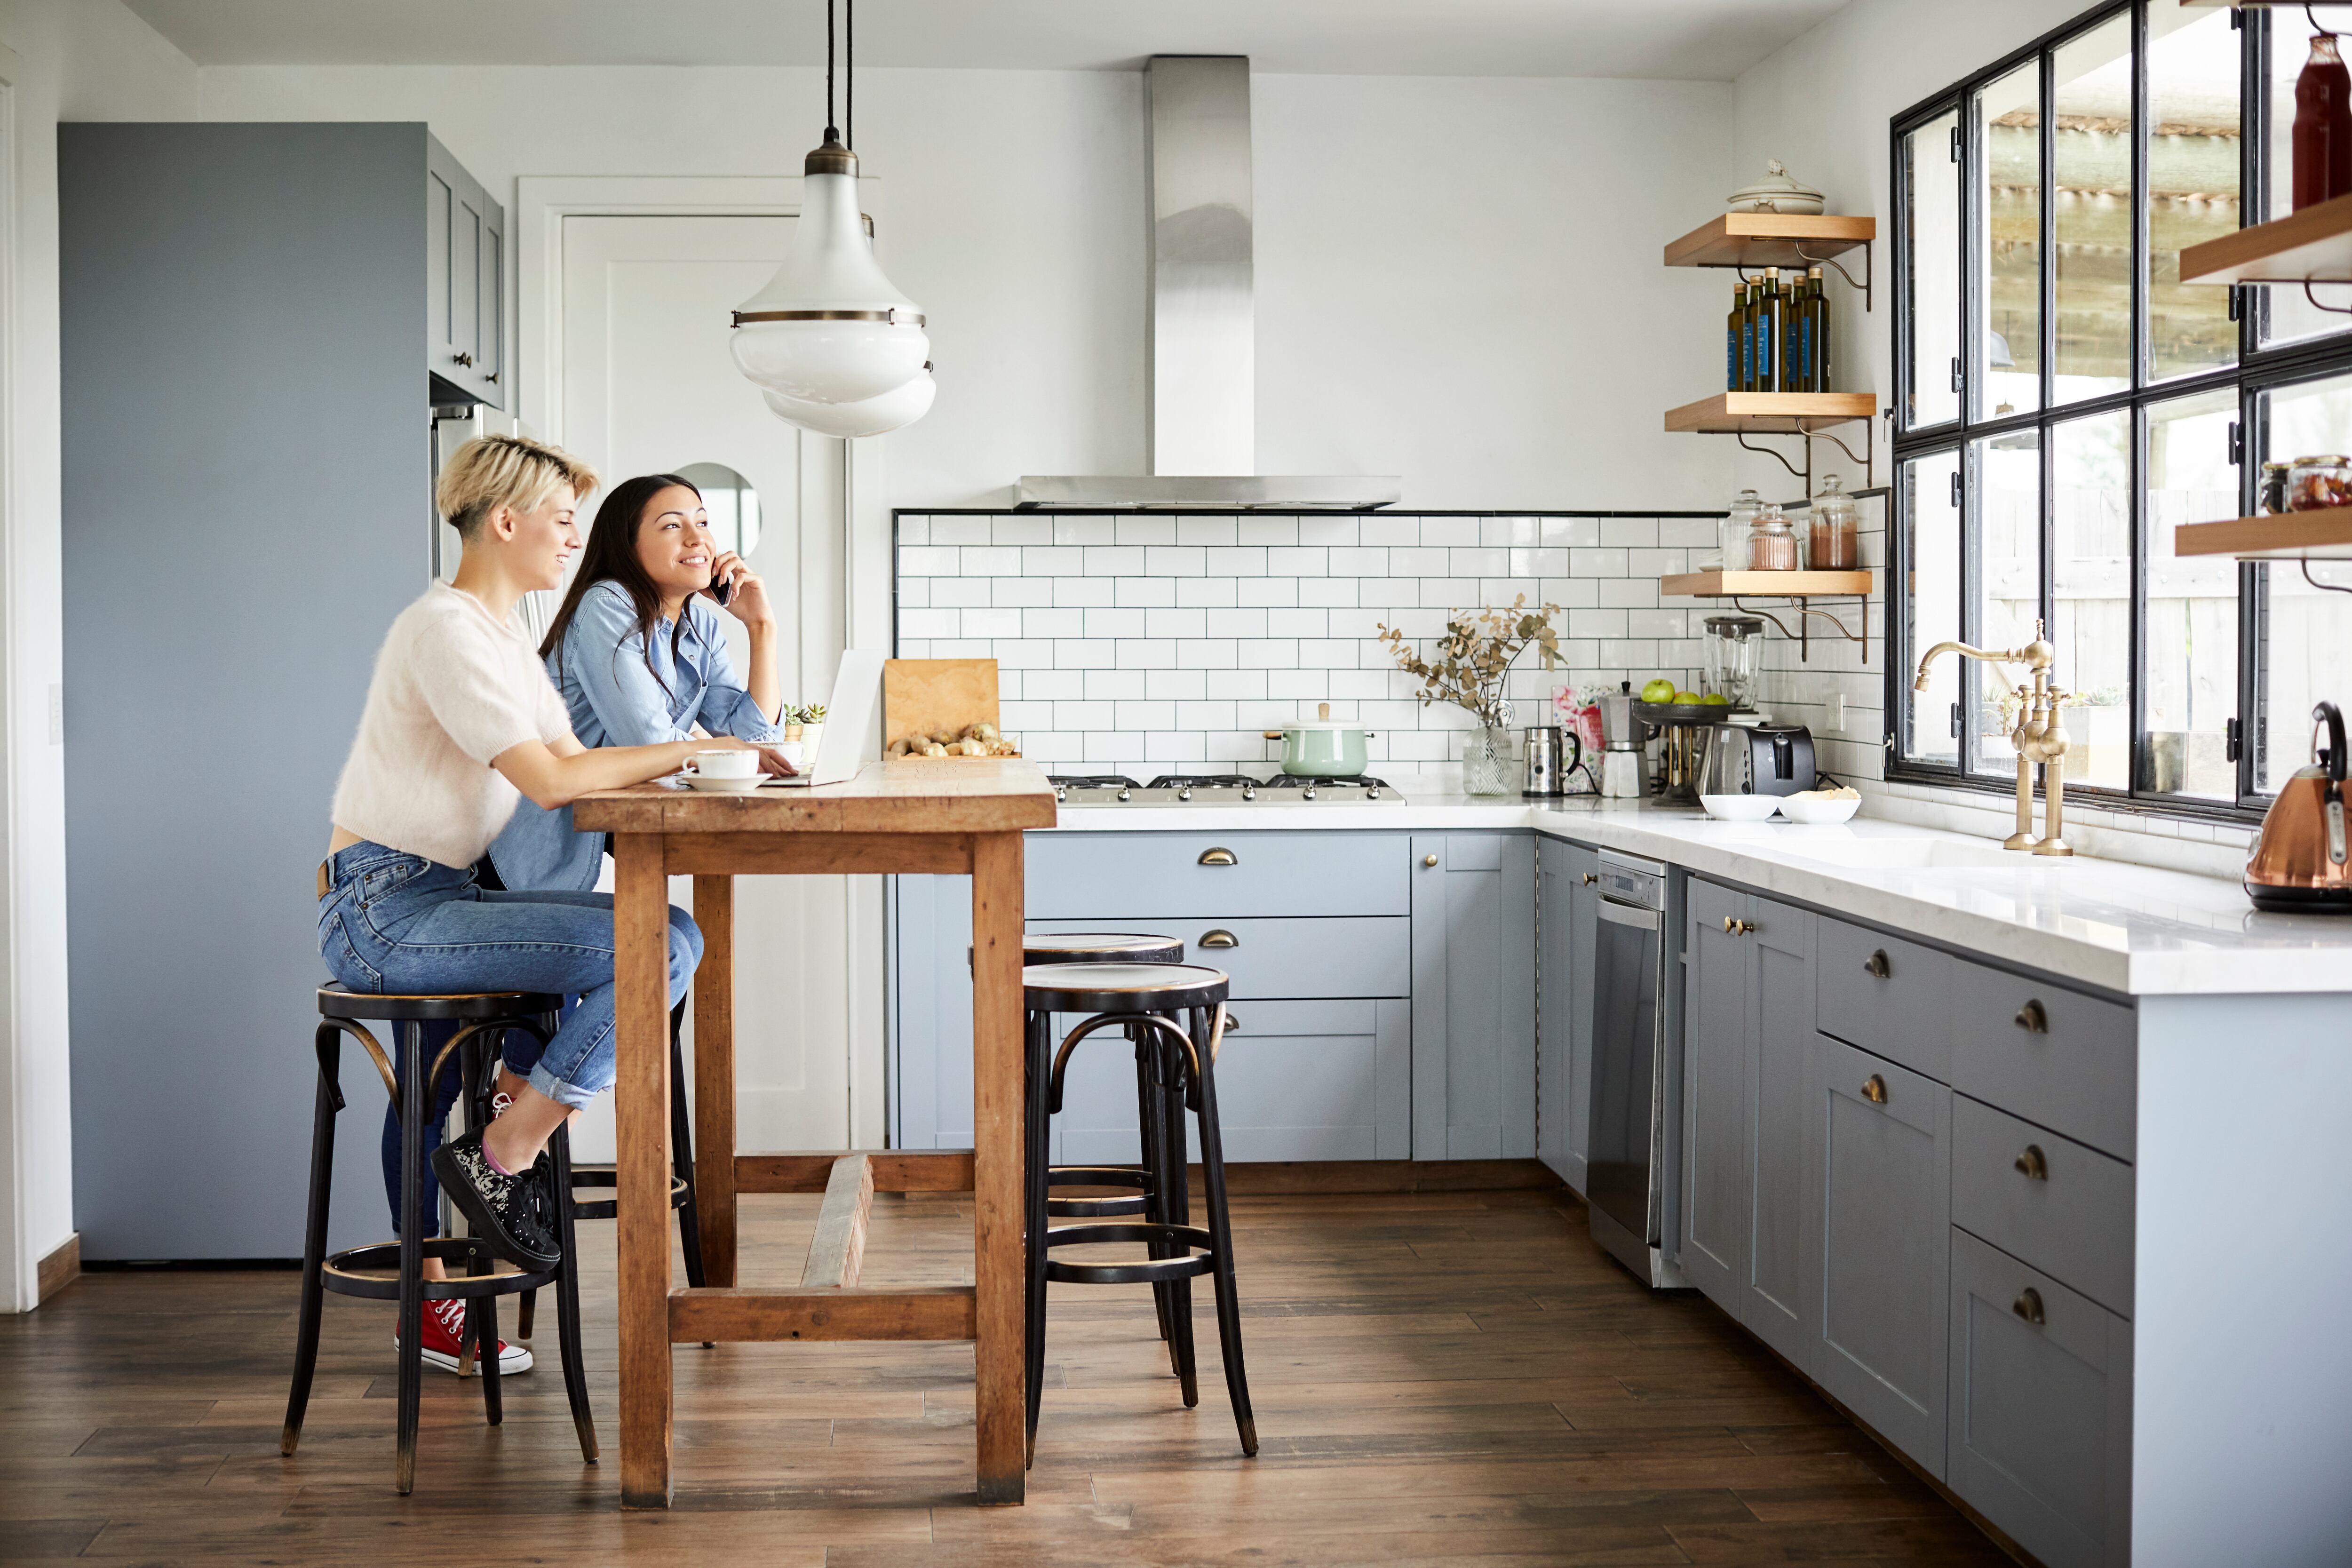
<point x="373" y="1271"/>
<point x="1141" y="1271"/>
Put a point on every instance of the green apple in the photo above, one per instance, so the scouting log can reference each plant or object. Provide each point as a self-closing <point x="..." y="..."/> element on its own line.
<point x="1658" y="690"/>
<point x="1683" y="698"/>
<point x="1715" y="700"/>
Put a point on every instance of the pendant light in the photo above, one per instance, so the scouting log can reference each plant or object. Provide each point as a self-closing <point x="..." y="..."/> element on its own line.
<point x="836" y="348"/>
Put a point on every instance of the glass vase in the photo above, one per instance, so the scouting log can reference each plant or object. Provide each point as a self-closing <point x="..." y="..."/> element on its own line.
<point x="1486" y="761"/>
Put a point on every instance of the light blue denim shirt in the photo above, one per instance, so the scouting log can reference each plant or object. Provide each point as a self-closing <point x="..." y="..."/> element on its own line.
<point x="615" y="700"/>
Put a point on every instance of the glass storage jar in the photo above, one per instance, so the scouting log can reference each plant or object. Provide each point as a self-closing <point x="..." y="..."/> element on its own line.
<point x="2317" y="482"/>
<point x="1771" y="546"/>
<point x="1737" y="524"/>
<point x="1833" y="544"/>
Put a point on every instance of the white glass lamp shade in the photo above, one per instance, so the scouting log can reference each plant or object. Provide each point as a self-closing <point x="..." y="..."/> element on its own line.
<point x="873" y="417"/>
<point x="829" y="327"/>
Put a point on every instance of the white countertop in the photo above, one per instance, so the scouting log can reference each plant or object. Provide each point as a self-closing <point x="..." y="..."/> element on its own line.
<point x="2132" y="928"/>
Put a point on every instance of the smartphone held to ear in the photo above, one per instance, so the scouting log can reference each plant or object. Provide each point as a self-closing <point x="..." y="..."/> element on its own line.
<point x="723" y="589"/>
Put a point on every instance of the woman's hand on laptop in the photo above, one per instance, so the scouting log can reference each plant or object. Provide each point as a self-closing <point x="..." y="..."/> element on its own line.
<point x="773" y="761"/>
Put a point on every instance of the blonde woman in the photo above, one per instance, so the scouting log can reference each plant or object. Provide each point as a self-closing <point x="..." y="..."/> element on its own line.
<point x="461" y="721"/>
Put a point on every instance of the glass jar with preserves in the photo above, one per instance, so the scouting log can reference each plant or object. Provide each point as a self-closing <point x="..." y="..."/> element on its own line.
<point x="1833" y="544"/>
<point x="2315" y="483"/>
<point x="1772" y="543"/>
<point x="2273" y="486"/>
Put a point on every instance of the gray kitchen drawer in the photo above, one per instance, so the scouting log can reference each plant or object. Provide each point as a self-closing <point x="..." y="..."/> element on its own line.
<point x="1889" y="996"/>
<point x="2041" y="1412"/>
<point x="2055" y="1204"/>
<point x="1301" y="956"/>
<point x="1096" y="876"/>
<point x="2057" y="1057"/>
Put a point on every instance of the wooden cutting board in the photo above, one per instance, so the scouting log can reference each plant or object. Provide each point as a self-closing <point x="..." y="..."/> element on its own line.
<point x="923" y="696"/>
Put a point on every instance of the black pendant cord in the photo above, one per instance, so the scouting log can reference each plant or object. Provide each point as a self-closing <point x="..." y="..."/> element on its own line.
<point x="828" y="70"/>
<point x="848" y="70"/>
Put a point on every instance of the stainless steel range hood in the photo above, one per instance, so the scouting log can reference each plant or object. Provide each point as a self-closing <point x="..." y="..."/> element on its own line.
<point x="1200" y="413"/>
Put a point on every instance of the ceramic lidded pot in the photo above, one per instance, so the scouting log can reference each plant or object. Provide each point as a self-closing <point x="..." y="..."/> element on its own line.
<point x="1775" y="193"/>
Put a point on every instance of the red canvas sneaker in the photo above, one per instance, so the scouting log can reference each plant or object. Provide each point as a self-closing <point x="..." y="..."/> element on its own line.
<point x="444" y="1330"/>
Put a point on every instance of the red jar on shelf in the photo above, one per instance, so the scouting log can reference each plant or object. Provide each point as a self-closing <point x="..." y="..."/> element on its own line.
<point x="2323" y="126"/>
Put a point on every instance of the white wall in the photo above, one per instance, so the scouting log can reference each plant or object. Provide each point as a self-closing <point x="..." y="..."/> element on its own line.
<point x="1457" y="280"/>
<point x="76" y="59"/>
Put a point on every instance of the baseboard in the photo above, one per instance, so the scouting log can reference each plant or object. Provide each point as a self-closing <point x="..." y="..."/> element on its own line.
<point x="1386" y="1177"/>
<point x="59" y="1268"/>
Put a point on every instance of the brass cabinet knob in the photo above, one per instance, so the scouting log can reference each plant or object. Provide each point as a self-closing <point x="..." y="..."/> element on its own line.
<point x="1877" y="964"/>
<point x="1874" y="1090"/>
<point x="1218" y="858"/>
<point x="2028" y="1306"/>
<point x="1233" y="1025"/>
<point x="1218" y="937"/>
<point x="1429" y="860"/>
<point x="1748" y="927"/>
<point x="2033" y="1164"/>
<point x="1589" y="879"/>
<point x="2032" y="1019"/>
<point x="461" y="357"/>
<point x="1730" y="926"/>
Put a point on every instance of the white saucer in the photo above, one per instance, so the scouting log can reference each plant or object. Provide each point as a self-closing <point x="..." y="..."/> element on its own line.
<point x="724" y="786"/>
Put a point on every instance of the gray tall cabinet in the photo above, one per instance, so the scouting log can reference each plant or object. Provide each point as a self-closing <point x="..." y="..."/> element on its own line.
<point x="255" y="321"/>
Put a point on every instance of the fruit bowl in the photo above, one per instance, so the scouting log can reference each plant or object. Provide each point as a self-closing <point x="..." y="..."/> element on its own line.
<point x="1664" y="713"/>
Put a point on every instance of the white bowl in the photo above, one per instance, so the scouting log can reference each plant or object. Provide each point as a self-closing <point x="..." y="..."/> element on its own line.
<point x="1738" y="808"/>
<point x="723" y="786"/>
<point x="1813" y="811"/>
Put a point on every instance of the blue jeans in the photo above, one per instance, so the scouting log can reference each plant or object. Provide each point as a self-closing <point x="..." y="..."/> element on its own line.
<point x="398" y="922"/>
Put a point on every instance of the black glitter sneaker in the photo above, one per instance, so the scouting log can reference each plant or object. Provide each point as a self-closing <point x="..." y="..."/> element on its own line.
<point x="508" y="1212"/>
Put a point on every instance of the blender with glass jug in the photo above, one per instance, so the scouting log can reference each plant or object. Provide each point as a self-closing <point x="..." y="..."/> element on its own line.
<point x="1730" y="652"/>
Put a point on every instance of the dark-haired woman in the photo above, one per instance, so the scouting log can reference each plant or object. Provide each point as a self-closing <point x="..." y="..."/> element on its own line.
<point x="640" y="657"/>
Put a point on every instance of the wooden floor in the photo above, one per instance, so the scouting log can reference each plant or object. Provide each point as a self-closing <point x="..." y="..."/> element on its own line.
<point x="1449" y="1378"/>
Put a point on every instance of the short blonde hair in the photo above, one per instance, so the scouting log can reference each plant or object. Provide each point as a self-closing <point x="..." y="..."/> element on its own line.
<point x="511" y="471"/>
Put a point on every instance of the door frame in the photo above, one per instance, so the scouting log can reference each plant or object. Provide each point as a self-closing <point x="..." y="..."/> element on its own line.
<point x="842" y="483"/>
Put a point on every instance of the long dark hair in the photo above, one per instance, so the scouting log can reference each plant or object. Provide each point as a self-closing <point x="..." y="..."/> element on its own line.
<point x="612" y="555"/>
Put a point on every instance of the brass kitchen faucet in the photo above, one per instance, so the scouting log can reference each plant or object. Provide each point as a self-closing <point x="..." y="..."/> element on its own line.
<point x="2039" y="736"/>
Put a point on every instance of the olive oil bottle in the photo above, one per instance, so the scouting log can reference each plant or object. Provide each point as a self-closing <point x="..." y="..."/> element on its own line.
<point x="1731" y="380"/>
<point x="1771" y="318"/>
<point x="1817" y="332"/>
<point x="1747" y="337"/>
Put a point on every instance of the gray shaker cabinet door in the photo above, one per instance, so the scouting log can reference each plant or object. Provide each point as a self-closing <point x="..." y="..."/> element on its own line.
<point x="465" y="279"/>
<point x="1880" y="1254"/>
<point x="1564" y="881"/>
<point x="1719" y="994"/>
<point x="2041" y="1416"/>
<point x="1779" y="1044"/>
<point x="1474" y="993"/>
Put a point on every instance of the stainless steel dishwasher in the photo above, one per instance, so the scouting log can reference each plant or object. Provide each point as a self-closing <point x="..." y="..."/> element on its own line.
<point x="1635" y="1080"/>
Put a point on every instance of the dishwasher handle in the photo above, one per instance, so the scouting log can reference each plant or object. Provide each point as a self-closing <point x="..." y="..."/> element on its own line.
<point x="1631" y="915"/>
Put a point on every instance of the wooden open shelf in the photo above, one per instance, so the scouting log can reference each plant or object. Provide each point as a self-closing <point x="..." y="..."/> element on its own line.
<point x="1771" y="413"/>
<point x="1769" y="239"/>
<point x="1763" y="584"/>
<point x="2322" y="535"/>
<point x="2312" y="246"/>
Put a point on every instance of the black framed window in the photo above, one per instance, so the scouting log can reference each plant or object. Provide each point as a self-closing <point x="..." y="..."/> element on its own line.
<point x="2065" y="402"/>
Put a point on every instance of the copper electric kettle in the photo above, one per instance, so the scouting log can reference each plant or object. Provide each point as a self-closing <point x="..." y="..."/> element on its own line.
<point x="2299" y="862"/>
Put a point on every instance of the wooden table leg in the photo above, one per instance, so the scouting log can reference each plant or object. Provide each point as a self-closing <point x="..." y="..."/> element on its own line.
<point x="641" y="1111"/>
<point x="998" y="1352"/>
<point x="714" y="1076"/>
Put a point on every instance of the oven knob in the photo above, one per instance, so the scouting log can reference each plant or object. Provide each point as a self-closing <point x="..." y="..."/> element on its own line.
<point x="1310" y="792"/>
<point x="1249" y="794"/>
<point x="1184" y="794"/>
<point x="1124" y="795"/>
<point x="1062" y="795"/>
<point x="1372" y="792"/>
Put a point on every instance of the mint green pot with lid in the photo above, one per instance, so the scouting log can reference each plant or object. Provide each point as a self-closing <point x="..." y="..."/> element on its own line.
<point x="1322" y="747"/>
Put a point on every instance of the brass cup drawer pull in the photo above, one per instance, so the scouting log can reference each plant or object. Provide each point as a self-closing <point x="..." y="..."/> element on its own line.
<point x="1218" y="856"/>
<point x="1233" y="1025"/>
<point x="1218" y="937"/>
<point x="1877" y="965"/>
<point x="1874" y="1090"/>
<point x="2033" y="1164"/>
<point x="2028" y="1306"/>
<point x="2032" y="1019"/>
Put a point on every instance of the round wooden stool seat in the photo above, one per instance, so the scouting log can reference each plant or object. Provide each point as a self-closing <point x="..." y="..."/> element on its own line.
<point x="337" y="1000"/>
<point x="1098" y="947"/>
<point x="1121" y="989"/>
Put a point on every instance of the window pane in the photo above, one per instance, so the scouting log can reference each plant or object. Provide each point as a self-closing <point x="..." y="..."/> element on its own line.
<point x="2091" y="593"/>
<point x="1931" y="242"/>
<point x="1931" y="552"/>
<point x="2192" y="603"/>
<point x="2009" y="259"/>
<point x="2091" y="216"/>
<point x="2308" y="631"/>
<point x="2291" y="317"/>
<point x="2009" y="579"/>
<point x="2192" y="183"/>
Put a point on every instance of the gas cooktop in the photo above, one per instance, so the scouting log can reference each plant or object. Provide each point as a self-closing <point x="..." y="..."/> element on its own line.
<point x="1221" y="789"/>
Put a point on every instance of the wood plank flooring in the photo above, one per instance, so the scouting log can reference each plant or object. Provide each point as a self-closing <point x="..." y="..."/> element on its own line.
<point x="1440" y="1378"/>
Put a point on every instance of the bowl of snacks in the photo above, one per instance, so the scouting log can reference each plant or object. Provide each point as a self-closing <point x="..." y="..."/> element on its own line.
<point x="1816" y="806"/>
<point x="981" y="740"/>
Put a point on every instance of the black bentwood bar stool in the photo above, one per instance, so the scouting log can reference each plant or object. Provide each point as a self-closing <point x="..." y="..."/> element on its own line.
<point x="393" y="1271"/>
<point x="1107" y="947"/>
<point x="1146" y="999"/>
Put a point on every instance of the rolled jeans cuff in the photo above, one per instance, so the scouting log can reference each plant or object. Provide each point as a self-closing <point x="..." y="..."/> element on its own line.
<point x="572" y="1095"/>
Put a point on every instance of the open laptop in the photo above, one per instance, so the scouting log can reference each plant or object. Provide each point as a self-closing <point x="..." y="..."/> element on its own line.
<point x="848" y="719"/>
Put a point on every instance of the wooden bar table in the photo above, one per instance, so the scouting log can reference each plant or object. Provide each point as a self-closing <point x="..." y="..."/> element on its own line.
<point x="954" y="816"/>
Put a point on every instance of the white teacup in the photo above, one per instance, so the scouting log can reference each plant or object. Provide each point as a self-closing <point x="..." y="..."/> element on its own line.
<point x="793" y="752"/>
<point x="731" y="764"/>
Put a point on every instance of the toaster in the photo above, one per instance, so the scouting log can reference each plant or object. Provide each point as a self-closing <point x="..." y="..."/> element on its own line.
<point x="1759" y="759"/>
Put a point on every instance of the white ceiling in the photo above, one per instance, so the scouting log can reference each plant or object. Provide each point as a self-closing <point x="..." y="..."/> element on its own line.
<point x="1685" y="39"/>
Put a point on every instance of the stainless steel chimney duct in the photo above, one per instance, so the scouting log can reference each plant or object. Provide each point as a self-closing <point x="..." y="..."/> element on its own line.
<point x="1201" y="410"/>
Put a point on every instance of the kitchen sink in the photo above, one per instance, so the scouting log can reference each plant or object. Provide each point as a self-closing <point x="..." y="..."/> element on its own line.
<point x="1893" y="854"/>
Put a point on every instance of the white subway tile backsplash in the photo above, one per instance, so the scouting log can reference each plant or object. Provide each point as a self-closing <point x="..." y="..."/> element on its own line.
<point x="1207" y="653"/>
<point x="1146" y="653"/>
<point x="1296" y="561"/>
<point x="1267" y="531"/>
<point x="1629" y="593"/>
<point x="994" y="561"/>
<point x="1115" y="685"/>
<point x="1266" y="653"/>
<point x="1207" y="530"/>
<point x="1569" y="532"/>
<point x="993" y="623"/>
<point x="1449" y="531"/>
<point x="914" y="530"/>
<point x="1267" y="590"/>
<point x="1145" y="531"/>
<point x="1479" y="563"/>
<point x="1203" y="593"/>
<point x="1622" y="531"/>
<point x="1510" y="530"/>
<point x="1025" y="529"/>
<point x="1313" y="623"/>
<point x="1175" y="685"/>
<point x="1143" y="592"/>
<point x="929" y="560"/>
<point x="959" y="530"/>
<point x="1234" y="686"/>
<point x="1376" y="528"/>
<point x="1239" y="561"/>
<point x="1597" y="563"/>
<point x="1327" y="591"/>
<point x="1115" y="623"/>
<point x="1017" y="592"/>
<point x="1082" y="530"/>
<point x="1358" y="562"/>
<point x="1224" y="622"/>
<point x="1175" y="624"/>
<point x="1085" y="592"/>
<point x="1051" y="623"/>
<point x="952" y="593"/>
<point x="1114" y="561"/>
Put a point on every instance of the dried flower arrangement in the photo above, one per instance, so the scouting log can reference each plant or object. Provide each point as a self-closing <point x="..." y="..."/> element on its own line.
<point x="1469" y="662"/>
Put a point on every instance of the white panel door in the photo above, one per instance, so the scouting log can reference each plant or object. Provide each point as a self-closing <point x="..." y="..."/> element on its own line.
<point x="647" y="386"/>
